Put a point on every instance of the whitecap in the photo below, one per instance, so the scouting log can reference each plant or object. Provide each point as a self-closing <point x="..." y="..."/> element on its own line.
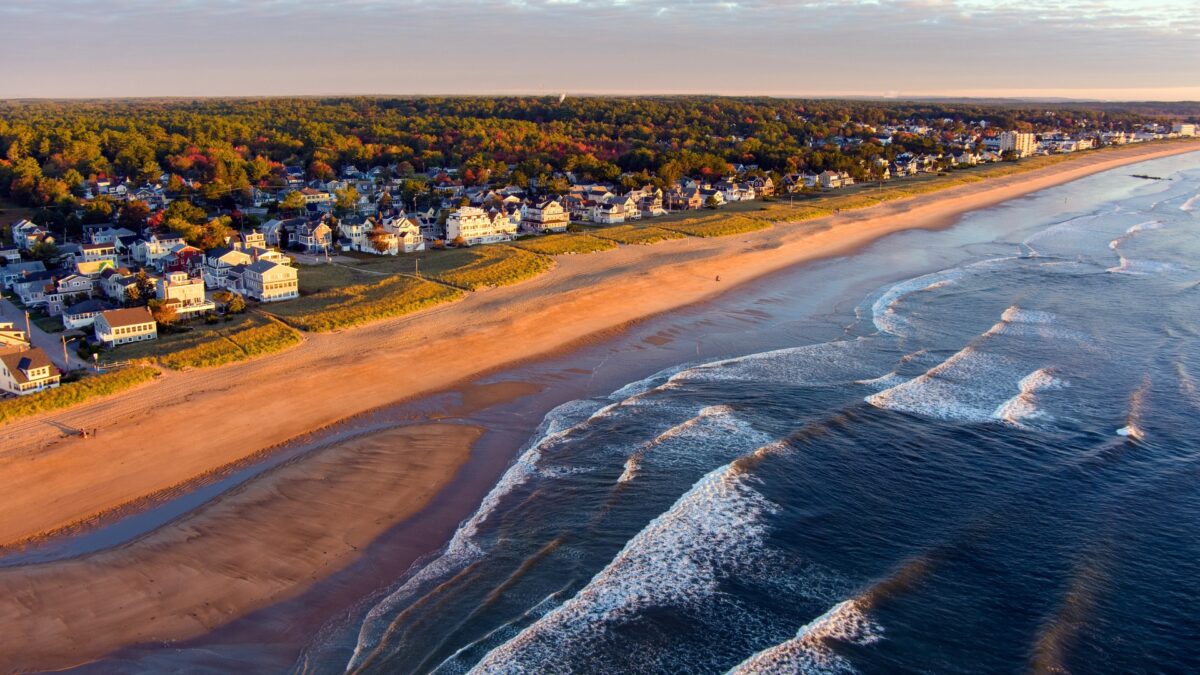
<point x="1024" y="406"/>
<point x="715" y="530"/>
<point x="809" y="651"/>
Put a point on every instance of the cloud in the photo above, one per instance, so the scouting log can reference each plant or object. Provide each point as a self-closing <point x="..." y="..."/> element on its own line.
<point x="247" y="47"/>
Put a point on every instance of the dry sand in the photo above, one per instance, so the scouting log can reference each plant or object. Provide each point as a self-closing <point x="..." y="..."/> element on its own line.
<point x="156" y="439"/>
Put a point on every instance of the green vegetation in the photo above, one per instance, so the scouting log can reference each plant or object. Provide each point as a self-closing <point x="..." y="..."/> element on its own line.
<point x="632" y="234"/>
<point x="564" y="244"/>
<point x="717" y="225"/>
<point x="490" y="266"/>
<point x="73" y="393"/>
<point x="352" y="305"/>
<point x="228" y="346"/>
<point x="203" y="345"/>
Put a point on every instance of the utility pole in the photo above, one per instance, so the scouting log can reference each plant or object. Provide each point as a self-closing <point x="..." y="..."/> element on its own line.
<point x="417" y="267"/>
<point x="66" y="359"/>
<point x="28" y="330"/>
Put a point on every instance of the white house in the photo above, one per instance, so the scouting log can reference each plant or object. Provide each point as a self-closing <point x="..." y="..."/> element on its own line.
<point x="27" y="372"/>
<point x="185" y="293"/>
<point x="476" y="226"/>
<point x="546" y="216"/>
<point x="83" y="314"/>
<point x="120" y="326"/>
<point x="267" y="281"/>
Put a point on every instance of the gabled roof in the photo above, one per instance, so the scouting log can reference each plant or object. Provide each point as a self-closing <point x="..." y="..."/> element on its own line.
<point x="21" y="362"/>
<point x="127" y="317"/>
<point x="87" y="307"/>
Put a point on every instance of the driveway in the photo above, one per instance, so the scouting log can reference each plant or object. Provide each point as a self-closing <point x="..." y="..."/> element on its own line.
<point x="51" y="343"/>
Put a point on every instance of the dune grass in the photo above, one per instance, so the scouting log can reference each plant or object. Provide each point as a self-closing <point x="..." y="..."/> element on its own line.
<point x="73" y="393"/>
<point x="361" y="303"/>
<point x="718" y="225"/>
<point x="490" y="266"/>
<point x="565" y="244"/>
<point x="228" y="346"/>
<point x="633" y="234"/>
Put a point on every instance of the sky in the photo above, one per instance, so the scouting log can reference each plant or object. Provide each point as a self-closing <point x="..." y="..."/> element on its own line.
<point x="1105" y="49"/>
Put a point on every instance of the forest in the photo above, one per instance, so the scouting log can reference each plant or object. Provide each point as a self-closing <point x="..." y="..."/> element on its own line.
<point x="216" y="150"/>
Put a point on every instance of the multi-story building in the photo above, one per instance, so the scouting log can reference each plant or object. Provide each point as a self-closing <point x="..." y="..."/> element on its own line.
<point x="185" y="293"/>
<point x="268" y="281"/>
<point x="546" y="216"/>
<point x="1023" y="144"/>
<point x="476" y="226"/>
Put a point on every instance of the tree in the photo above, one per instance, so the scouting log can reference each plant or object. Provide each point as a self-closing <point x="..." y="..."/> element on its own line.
<point x="143" y="289"/>
<point x="163" y="312"/>
<point x="98" y="210"/>
<point x="182" y="209"/>
<point x="380" y="239"/>
<point x="134" y="214"/>
<point x="347" y="199"/>
<point x="236" y="304"/>
<point x="46" y="251"/>
<point x="711" y="202"/>
<point x="292" y="202"/>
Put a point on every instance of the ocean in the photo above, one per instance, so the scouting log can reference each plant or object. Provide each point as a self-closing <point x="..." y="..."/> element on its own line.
<point x="994" y="467"/>
<point x="965" y="450"/>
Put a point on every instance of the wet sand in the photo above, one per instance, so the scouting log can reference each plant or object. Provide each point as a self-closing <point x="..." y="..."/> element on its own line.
<point x="197" y="574"/>
<point x="191" y="424"/>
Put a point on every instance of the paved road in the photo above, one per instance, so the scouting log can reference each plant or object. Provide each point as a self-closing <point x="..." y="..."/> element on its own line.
<point x="50" y="342"/>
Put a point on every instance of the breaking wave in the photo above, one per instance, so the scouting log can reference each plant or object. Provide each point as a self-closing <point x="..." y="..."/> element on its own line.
<point x="713" y="531"/>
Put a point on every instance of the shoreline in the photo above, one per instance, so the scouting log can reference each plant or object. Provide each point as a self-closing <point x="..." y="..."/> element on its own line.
<point x="573" y="295"/>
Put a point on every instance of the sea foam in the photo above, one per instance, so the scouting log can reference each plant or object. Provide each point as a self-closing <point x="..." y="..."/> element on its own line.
<point x="713" y="531"/>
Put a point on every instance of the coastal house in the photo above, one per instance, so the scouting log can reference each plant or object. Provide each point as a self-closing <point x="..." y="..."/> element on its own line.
<point x="11" y="338"/>
<point x="67" y="291"/>
<point x="26" y="234"/>
<point x="149" y="252"/>
<point x="185" y="293"/>
<point x="27" y="372"/>
<point x="608" y="213"/>
<point x="473" y="226"/>
<point x="10" y="255"/>
<point x="268" y="281"/>
<point x="83" y="314"/>
<point x="218" y="263"/>
<point x="13" y="272"/>
<point x="100" y="251"/>
<point x="121" y="326"/>
<point x="31" y="288"/>
<point x="312" y="236"/>
<point x="546" y="216"/>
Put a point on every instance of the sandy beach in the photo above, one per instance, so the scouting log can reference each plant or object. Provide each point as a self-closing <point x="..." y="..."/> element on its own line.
<point x="270" y="539"/>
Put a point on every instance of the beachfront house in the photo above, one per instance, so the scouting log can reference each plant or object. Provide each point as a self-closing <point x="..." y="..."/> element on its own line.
<point x="473" y="225"/>
<point x="268" y="281"/>
<point x="546" y="216"/>
<point x="185" y="293"/>
<point x="121" y="326"/>
<point x="27" y="372"/>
